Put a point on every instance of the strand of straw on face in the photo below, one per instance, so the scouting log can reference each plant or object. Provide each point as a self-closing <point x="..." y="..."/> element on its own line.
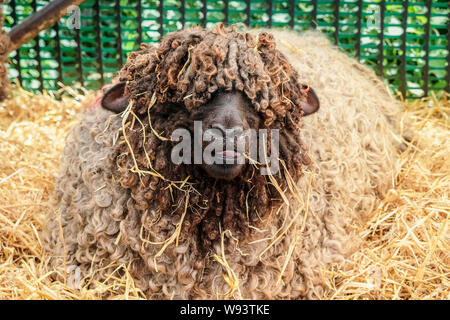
<point x="175" y="235"/>
<point x="230" y="278"/>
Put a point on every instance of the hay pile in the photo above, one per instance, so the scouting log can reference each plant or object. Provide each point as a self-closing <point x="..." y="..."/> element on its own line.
<point x="406" y="242"/>
<point x="4" y="45"/>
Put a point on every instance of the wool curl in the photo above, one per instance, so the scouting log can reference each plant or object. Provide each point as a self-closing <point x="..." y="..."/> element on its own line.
<point x="166" y="85"/>
<point x="98" y="228"/>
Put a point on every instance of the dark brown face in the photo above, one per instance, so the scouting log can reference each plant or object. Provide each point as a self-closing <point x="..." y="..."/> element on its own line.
<point x="228" y="122"/>
<point x="225" y="120"/>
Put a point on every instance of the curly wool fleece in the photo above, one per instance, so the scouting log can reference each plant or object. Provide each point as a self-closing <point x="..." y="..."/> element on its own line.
<point x="352" y="144"/>
<point x="172" y="79"/>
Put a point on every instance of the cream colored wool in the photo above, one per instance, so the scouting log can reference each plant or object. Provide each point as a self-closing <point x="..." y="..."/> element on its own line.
<point x="353" y="149"/>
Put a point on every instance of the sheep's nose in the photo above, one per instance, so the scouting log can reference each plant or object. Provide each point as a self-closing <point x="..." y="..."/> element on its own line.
<point x="235" y="131"/>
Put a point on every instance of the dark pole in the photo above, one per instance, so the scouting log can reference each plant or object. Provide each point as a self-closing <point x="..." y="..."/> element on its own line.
<point x="426" y="47"/>
<point x="381" y="43"/>
<point x="38" y="54"/>
<point x="38" y="21"/>
<point x="358" y="29"/>
<point x="404" y="25"/>
<point x="447" y="77"/>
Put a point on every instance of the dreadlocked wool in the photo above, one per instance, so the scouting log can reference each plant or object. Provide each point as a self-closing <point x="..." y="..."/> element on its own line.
<point x="181" y="234"/>
<point x="4" y="45"/>
<point x="190" y="66"/>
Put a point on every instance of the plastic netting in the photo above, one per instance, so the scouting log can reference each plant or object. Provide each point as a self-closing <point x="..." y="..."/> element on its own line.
<point x="407" y="42"/>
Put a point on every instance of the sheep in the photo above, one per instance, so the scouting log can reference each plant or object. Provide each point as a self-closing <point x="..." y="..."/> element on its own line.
<point x="185" y="233"/>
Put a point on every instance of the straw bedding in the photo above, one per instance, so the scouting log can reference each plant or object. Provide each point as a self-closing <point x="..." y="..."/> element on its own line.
<point x="403" y="243"/>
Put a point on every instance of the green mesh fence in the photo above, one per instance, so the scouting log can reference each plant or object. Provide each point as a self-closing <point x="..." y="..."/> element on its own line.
<point x="407" y="42"/>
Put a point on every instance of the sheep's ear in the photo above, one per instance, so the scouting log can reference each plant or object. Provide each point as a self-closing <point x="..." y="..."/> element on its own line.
<point x="312" y="103"/>
<point x="115" y="99"/>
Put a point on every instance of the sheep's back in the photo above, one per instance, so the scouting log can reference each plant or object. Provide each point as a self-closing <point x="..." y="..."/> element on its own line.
<point x="353" y="138"/>
<point x="353" y="141"/>
<point x="88" y="204"/>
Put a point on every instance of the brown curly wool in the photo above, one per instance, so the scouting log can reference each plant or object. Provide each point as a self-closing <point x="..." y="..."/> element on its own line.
<point x="189" y="66"/>
<point x="4" y="45"/>
<point x="180" y="75"/>
<point x="101" y="227"/>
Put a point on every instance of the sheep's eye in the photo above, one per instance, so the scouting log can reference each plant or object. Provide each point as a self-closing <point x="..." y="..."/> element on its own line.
<point x="176" y="105"/>
<point x="253" y="121"/>
<point x="198" y="115"/>
<point x="172" y="107"/>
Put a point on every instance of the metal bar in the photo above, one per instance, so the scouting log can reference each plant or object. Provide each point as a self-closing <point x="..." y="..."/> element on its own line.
<point x="38" y="53"/>
<point x="139" y="20"/>
<point x="447" y="88"/>
<point x="58" y="53"/>
<point x="358" y="29"/>
<point x="183" y="13"/>
<point x="161" y="18"/>
<point x="14" y="16"/>
<point x="38" y="21"/>
<point x="270" y="13"/>
<point x="226" y="13"/>
<point x="426" y="41"/>
<point x="98" y="39"/>
<point x="292" y="13"/>
<point x="119" y="32"/>
<point x="381" y="44"/>
<point x="403" y="48"/>
<point x="247" y="12"/>
<point x="78" y="57"/>
<point x="336" y="21"/>
<point x="204" y="13"/>
<point x="314" y="15"/>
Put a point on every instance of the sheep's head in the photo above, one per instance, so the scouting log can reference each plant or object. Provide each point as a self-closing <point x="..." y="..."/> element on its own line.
<point x="221" y="86"/>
